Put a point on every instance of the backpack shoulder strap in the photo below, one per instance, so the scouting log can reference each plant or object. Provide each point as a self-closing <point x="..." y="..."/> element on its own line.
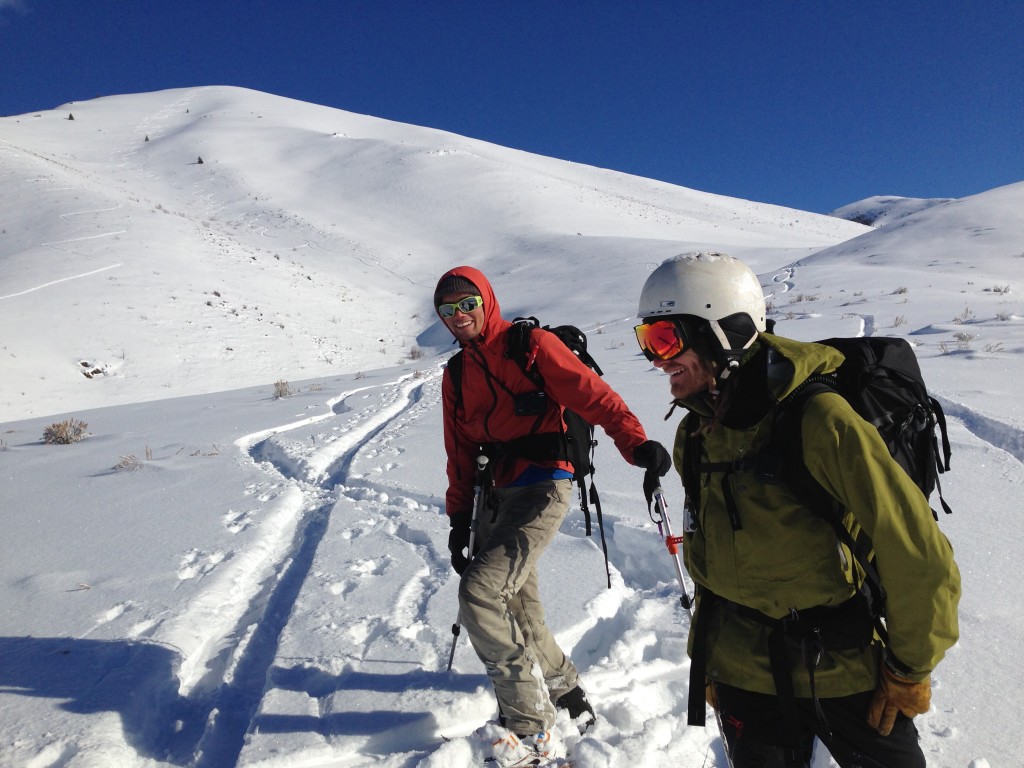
<point x="520" y="336"/>
<point x="786" y="442"/>
<point x="694" y="467"/>
<point x="691" y="462"/>
<point x="455" y="363"/>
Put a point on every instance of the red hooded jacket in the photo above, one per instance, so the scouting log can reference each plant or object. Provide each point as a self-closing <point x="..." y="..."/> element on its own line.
<point x="489" y="382"/>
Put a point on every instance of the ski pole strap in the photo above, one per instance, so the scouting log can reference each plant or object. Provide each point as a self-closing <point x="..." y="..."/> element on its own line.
<point x="783" y="679"/>
<point x="596" y="501"/>
<point x="581" y="484"/>
<point x="778" y="653"/>
<point x="696" y="705"/>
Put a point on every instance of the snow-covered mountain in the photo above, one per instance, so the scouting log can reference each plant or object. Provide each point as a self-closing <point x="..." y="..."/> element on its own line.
<point x="217" y="576"/>
<point x="306" y="243"/>
<point x="879" y="210"/>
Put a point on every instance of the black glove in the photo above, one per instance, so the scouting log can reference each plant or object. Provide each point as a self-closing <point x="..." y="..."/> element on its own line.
<point x="458" y="540"/>
<point x="652" y="456"/>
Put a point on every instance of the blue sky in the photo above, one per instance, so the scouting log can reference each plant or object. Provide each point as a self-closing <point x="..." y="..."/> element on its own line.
<point x="807" y="103"/>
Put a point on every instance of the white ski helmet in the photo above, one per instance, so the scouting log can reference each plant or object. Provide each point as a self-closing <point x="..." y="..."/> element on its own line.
<point x="708" y="285"/>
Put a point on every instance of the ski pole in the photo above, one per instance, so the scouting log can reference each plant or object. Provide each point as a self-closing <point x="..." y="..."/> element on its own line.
<point x="478" y="494"/>
<point x="671" y="543"/>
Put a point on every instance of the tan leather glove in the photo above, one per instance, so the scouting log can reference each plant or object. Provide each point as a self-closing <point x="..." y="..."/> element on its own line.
<point x="897" y="694"/>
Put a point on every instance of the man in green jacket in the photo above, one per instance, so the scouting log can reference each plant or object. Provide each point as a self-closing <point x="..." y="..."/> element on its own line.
<point x="774" y="577"/>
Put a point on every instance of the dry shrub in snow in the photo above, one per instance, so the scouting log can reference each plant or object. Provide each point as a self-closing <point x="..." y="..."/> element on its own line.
<point x="129" y="463"/>
<point x="65" y="432"/>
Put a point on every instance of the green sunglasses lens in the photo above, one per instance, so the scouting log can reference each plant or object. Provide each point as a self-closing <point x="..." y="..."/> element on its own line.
<point x="465" y="305"/>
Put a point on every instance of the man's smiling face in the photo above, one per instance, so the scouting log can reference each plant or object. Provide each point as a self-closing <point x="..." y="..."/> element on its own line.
<point x="464" y="326"/>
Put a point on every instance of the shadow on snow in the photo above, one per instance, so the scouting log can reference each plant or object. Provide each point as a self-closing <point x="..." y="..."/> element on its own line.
<point x="137" y="681"/>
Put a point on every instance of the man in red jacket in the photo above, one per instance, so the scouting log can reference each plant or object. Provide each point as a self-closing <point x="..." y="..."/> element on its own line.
<point x="499" y="600"/>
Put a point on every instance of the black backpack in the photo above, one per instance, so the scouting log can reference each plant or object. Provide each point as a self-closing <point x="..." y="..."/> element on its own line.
<point x="579" y="442"/>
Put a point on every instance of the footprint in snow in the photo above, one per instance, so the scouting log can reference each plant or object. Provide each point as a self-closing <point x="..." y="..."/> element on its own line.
<point x="115" y="612"/>
<point x="236" y="522"/>
<point x="371" y="566"/>
<point x="196" y="563"/>
<point x="341" y="588"/>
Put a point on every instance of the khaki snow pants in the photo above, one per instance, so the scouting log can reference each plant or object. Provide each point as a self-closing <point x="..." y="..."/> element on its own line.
<point x="499" y="603"/>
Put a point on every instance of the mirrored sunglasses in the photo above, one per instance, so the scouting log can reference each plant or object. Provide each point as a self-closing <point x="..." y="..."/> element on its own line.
<point x="662" y="339"/>
<point x="465" y="305"/>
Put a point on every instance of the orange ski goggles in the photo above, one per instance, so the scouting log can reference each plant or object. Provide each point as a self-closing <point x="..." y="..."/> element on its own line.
<point x="662" y="339"/>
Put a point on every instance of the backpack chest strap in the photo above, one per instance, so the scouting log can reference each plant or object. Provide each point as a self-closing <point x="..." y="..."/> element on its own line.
<point x="726" y="468"/>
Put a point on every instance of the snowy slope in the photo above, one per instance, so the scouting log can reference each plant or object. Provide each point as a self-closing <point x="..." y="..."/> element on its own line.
<point x="219" y="577"/>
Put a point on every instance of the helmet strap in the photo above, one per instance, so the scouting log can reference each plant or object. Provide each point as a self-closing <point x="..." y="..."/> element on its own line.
<point x="726" y="343"/>
<point x="728" y="356"/>
<point x="723" y="340"/>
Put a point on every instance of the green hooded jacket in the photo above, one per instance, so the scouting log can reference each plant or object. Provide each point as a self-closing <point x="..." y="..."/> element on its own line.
<point x="785" y="557"/>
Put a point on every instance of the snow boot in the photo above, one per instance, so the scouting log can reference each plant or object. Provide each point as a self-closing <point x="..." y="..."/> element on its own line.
<point x="575" y="702"/>
<point x="514" y="751"/>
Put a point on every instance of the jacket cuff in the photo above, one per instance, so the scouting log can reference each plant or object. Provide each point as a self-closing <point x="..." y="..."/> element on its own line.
<point x="901" y="670"/>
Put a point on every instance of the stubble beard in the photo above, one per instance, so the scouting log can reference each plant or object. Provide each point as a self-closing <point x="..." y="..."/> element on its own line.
<point x="692" y="380"/>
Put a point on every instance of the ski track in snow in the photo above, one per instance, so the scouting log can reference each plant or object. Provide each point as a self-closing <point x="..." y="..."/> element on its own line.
<point x="229" y="634"/>
<point x="379" y="542"/>
<point x="996" y="433"/>
<point x="61" y="280"/>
